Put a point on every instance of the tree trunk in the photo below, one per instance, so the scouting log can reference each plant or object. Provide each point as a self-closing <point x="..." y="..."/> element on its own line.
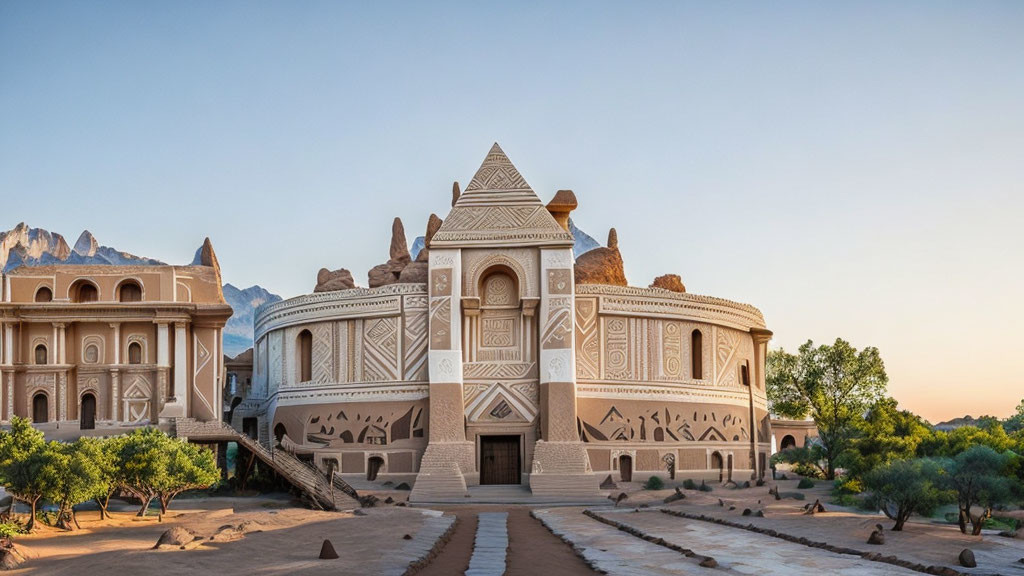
<point x="74" y="516"/>
<point x="145" y="506"/>
<point x="103" y="503"/>
<point x="32" y="518"/>
<point x="901" y="519"/>
<point x="962" y="520"/>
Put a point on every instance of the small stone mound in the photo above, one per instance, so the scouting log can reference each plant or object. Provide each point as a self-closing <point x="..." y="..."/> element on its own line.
<point x="708" y="562"/>
<point x="967" y="558"/>
<point x="877" y="536"/>
<point x="177" y="537"/>
<point x="608" y="483"/>
<point x="327" y="551"/>
<point x="389" y="500"/>
<point x="332" y="280"/>
<point x="674" y="497"/>
<point x="747" y="512"/>
<point x="403" y="486"/>
<point x="671" y="282"/>
<point x="406" y="537"/>
<point x="369" y="501"/>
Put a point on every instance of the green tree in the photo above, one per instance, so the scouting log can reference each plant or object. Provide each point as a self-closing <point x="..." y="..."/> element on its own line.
<point x="978" y="477"/>
<point x="903" y="487"/>
<point x="1015" y="423"/>
<point x="190" y="467"/>
<point x="782" y="372"/>
<point x="807" y="461"/>
<point x="885" y="434"/>
<point x="99" y="464"/>
<point x="74" y="475"/>
<point x="838" y="384"/>
<point x="23" y="455"/>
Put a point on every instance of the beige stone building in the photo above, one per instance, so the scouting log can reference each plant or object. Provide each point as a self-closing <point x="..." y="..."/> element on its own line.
<point x="496" y="357"/>
<point x="94" y="346"/>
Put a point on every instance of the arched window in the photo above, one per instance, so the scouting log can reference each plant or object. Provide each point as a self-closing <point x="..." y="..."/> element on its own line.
<point x="84" y="291"/>
<point x="135" y="353"/>
<point x="130" y="291"/>
<point x="41" y="354"/>
<point x="304" y="347"/>
<point x="91" y="354"/>
<point x="697" y="355"/>
<point x="44" y="294"/>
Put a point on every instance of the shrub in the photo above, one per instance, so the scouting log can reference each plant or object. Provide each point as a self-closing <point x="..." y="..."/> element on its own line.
<point x="689" y="484"/>
<point x="904" y="487"/>
<point x="805" y="483"/>
<point x="847" y="486"/>
<point x="808" y="471"/>
<point x="654" y="483"/>
<point x="10" y="529"/>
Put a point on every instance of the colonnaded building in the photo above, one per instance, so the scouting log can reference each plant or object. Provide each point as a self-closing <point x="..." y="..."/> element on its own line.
<point x="496" y="357"/>
<point x="102" y="347"/>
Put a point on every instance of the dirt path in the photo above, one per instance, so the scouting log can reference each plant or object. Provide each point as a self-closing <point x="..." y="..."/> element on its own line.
<point x="532" y="548"/>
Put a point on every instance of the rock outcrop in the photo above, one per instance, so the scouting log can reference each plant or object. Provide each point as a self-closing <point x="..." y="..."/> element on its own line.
<point x="433" y="225"/>
<point x="602" y="265"/>
<point x="333" y="280"/>
<point x="178" y="537"/>
<point x="455" y="192"/>
<point x="670" y="282"/>
<point x="390" y="271"/>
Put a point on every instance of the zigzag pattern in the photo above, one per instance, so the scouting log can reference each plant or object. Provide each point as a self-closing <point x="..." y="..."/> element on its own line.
<point x="588" y="346"/>
<point x="323" y="366"/>
<point x="416" y="346"/>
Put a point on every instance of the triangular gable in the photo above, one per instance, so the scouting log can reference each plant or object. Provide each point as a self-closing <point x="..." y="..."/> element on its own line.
<point x="499" y="208"/>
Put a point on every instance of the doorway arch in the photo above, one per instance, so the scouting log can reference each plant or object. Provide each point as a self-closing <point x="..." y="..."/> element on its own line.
<point x="373" y="467"/>
<point x="626" y="468"/>
<point x="87" y="415"/>
<point x="717" y="463"/>
<point x="40" y="408"/>
<point x="788" y="442"/>
<point x="279" y="432"/>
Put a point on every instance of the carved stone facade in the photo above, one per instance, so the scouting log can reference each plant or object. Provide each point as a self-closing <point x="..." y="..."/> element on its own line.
<point x="112" y="346"/>
<point x="436" y="383"/>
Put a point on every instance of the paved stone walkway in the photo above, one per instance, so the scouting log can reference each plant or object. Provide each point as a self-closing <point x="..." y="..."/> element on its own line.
<point x="490" y="546"/>
<point x="736" y="551"/>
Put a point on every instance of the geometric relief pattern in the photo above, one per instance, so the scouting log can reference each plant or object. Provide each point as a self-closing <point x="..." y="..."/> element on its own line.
<point x="498" y="332"/>
<point x="415" y="344"/>
<point x="501" y="402"/>
<point x="557" y="331"/>
<point x="380" y="349"/>
<point x="331" y="426"/>
<point x="671" y="336"/>
<point x="136" y="399"/>
<point x="726" y="347"/>
<point x="322" y="353"/>
<point x="588" y="347"/>
<point x="618" y="363"/>
<point x="664" y="423"/>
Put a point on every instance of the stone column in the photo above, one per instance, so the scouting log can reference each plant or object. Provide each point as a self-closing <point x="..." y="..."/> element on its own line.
<point x="560" y="462"/>
<point x="62" y="343"/>
<point x="448" y="457"/>
<point x="757" y="381"/>
<point x="163" y="363"/>
<point x="177" y="405"/>
<point x="115" y="394"/>
<point x="6" y="372"/>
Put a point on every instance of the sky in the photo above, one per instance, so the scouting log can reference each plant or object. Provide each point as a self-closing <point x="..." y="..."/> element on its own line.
<point x="854" y="170"/>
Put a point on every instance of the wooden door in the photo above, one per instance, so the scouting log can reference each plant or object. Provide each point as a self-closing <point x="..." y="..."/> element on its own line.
<point x="373" y="466"/>
<point x="626" y="468"/>
<point x="499" y="460"/>
<point x="87" y="419"/>
<point x="40" y="411"/>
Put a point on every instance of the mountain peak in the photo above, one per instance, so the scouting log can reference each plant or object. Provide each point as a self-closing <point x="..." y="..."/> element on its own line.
<point x="86" y="245"/>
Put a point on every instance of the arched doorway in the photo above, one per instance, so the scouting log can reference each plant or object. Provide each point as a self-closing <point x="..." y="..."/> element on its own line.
<point x="718" y="464"/>
<point x="87" y="417"/>
<point x="373" y="466"/>
<point x="279" y="432"/>
<point x="40" y="408"/>
<point x="788" y="442"/>
<point x="729" y="466"/>
<point x="626" y="468"/>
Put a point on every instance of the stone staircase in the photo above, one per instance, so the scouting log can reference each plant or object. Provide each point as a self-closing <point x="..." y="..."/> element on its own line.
<point x="324" y="493"/>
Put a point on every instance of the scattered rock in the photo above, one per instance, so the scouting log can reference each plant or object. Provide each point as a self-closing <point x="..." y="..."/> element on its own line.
<point x="674" y="497"/>
<point x="327" y="551"/>
<point x="877" y="536"/>
<point x="368" y="501"/>
<point x="708" y="562"/>
<point x="731" y="508"/>
<point x="403" y="486"/>
<point x="747" y="512"/>
<point x="389" y="500"/>
<point x="967" y="558"/>
<point x="406" y="537"/>
<point x="759" y="514"/>
<point x="330" y="281"/>
<point x="177" y="537"/>
<point x="403" y="504"/>
<point x="721" y="503"/>
<point x="622" y="496"/>
<point x="602" y="265"/>
<point x="359" y="512"/>
<point x="814" y="508"/>
<point x="670" y="282"/>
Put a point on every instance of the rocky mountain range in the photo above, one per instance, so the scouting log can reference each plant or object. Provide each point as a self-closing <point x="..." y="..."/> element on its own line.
<point x="25" y="246"/>
<point x="238" y="332"/>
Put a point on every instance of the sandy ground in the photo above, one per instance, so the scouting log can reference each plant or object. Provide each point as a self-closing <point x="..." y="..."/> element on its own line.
<point x="533" y="549"/>
<point x="289" y="541"/>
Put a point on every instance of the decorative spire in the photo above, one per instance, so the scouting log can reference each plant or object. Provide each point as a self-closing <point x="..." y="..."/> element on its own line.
<point x="613" y="239"/>
<point x="455" y="192"/>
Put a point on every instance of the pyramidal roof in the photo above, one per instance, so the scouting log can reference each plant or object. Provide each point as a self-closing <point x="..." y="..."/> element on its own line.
<point x="498" y="208"/>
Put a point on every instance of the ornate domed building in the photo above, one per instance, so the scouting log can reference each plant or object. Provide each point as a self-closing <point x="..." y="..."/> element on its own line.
<point x="496" y="357"/>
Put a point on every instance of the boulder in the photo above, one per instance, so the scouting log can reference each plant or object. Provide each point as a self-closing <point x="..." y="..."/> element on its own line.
<point x="708" y="562"/>
<point x="602" y="265"/>
<point x="433" y="225"/>
<point x="877" y="536"/>
<point x="967" y="558"/>
<point x="670" y="282"/>
<point x="415" y="272"/>
<point x="381" y="275"/>
<point x="331" y="280"/>
<point x="678" y="495"/>
<point x="177" y="537"/>
<point x="390" y="271"/>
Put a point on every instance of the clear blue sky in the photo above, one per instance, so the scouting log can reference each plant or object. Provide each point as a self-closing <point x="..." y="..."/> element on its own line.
<point x="853" y="170"/>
